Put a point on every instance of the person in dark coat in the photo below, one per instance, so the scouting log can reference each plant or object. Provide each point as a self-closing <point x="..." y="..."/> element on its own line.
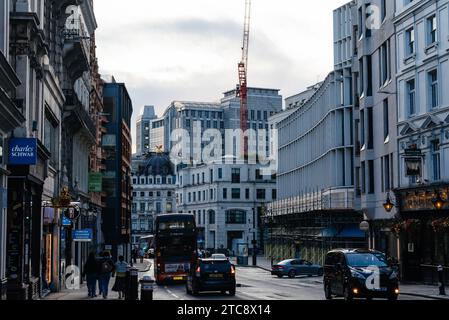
<point x="107" y="268"/>
<point x="90" y="271"/>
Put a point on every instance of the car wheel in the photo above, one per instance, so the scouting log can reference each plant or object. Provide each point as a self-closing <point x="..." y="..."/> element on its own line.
<point x="195" y="289"/>
<point x="291" y="274"/>
<point x="347" y="294"/>
<point x="188" y="291"/>
<point x="328" y="291"/>
<point x="320" y="272"/>
<point x="280" y="275"/>
<point x="232" y="292"/>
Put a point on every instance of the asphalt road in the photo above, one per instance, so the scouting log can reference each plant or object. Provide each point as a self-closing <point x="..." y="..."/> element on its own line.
<point x="256" y="284"/>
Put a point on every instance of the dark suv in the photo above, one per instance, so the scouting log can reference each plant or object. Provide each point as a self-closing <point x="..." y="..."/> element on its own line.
<point x="359" y="273"/>
<point x="211" y="275"/>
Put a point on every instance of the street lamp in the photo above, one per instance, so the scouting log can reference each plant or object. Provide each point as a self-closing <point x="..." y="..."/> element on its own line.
<point x="388" y="205"/>
<point x="438" y="201"/>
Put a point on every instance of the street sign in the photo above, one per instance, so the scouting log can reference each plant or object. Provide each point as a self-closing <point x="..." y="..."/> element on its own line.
<point x="22" y="151"/>
<point x="364" y="226"/>
<point x="66" y="222"/>
<point x="71" y="213"/>
<point x="95" y="182"/>
<point x="83" y="235"/>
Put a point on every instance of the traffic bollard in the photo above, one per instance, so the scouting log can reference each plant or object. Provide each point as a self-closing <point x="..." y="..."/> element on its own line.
<point x="441" y="280"/>
<point x="146" y="288"/>
<point x="132" y="284"/>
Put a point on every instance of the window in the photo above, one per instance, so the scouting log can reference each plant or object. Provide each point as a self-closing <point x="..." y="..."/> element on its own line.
<point x="363" y="168"/>
<point x="433" y="88"/>
<point x="51" y="139"/>
<point x="383" y="9"/>
<point x="370" y="128"/>
<point x="369" y="89"/>
<point x="386" y="121"/>
<point x="258" y="175"/>
<point x="193" y="179"/>
<point x="432" y="30"/>
<point x="235" y="175"/>
<point x="368" y="13"/>
<point x="235" y="193"/>
<point x="158" y="194"/>
<point x="151" y="194"/>
<point x="246" y="194"/>
<point x="211" y="175"/>
<point x="411" y="97"/>
<point x="211" y="194"/>
<point x="220" y="173"/>
<point x="189" y="197"/>
<point x="134" y="207"/>
<point x="235" y="217"/>
<point x="362" y="128"/>
<point x="384" y="63"/>
<point x="225" y="193"/>
<point x="158" y="207"/>
<point x="273" y="194"/>
<point x="371" y="176"/>
<point x="203" y="177"/>
<point x="211" y="216"/>
<point x="361" y="78"/>
<point x="142" y="206"/>
<point x="436" y="160"/>
<point x="193" y="114"/>
<point x="260" y="194"/>
<point x="410" y="38"/>
<point x="386" y="165"/>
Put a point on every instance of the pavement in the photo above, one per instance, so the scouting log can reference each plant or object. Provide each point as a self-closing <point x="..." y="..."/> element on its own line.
<point x="408" y="289"/>
<point x="81" y="293"/>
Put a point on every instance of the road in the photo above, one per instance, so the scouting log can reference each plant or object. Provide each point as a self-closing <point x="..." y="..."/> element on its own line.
<point x="256" y="284"/>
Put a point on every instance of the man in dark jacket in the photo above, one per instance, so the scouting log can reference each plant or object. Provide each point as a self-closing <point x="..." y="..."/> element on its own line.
<point x="90" y="270"/>
<point x="106" y="270"/>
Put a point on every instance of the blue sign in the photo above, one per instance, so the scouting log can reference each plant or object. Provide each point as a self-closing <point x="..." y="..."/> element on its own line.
<point x="83" y="235"/>
<point x="66" y="222"/>
<point x="22" y="151"/>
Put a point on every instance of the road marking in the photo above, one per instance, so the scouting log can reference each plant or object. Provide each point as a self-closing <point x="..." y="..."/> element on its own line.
<point x="172" y="294"/>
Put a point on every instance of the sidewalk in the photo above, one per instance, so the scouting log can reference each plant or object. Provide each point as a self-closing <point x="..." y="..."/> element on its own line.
<point x="81" y="293"/>
<point x="417" y="290"/>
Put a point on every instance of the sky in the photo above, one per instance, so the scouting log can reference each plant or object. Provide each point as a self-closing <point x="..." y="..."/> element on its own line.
<point x="188" y="50"/>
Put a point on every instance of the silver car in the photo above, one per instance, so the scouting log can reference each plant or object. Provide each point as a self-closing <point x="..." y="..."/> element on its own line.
<point x="295" y="267"/>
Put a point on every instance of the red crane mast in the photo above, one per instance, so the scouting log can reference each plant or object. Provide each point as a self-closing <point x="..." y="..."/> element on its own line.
<point x="242" y="91"/>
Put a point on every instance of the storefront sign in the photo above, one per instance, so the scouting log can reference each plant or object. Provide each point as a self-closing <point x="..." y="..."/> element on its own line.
<point x="109" y="140"/>
<point x="22" y="151"/>
<point x="83" y="235"/>
<point x="95" y="182"/>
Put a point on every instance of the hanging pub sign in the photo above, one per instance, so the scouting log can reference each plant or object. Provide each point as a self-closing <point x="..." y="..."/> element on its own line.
<point x="71" y="213"/>
<point x="22" y="151"/>
<point x="413" y="166"/>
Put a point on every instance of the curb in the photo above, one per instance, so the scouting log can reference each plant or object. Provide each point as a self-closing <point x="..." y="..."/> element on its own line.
<point x="422" y="296"/>
<point x="147" y="268"/>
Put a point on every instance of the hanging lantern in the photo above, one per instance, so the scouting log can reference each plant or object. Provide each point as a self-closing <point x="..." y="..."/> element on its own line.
<point x="388" y="205"/>
<point x="438" y="201"/>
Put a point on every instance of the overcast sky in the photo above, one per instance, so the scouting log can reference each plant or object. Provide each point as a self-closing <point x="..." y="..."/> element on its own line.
<point x="189" y="49"/>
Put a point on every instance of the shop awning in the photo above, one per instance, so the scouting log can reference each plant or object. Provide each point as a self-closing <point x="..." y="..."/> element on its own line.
<point x="351" y="232"/>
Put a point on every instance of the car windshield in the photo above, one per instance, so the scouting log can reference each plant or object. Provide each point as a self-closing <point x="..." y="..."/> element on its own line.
<point x="365" y="260"/>
<point x="284" y="262"/>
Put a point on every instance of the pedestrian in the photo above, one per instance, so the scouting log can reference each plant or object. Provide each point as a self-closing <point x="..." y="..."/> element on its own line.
<point x="134" y="255"/>
<point x="90" y="271"/>
<point x="141" y="255"/>
<point x="120" y="277"/>
<point x="105" y="272"/>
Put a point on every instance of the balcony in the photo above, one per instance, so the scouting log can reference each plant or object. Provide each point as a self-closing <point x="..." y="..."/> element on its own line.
<point x="76" y="118"/>
<point x="76" y="49"/>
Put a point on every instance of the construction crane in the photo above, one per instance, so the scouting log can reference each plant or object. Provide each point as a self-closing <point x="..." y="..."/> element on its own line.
<point x="242" y="90"/>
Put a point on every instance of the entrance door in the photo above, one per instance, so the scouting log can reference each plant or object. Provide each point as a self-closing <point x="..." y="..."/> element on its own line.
<point x="233" y="235"/>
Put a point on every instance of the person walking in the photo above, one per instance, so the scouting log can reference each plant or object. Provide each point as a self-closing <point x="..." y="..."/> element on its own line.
<point x="134" y="255"/>
<point x="141" y="255"/>
<point x="106" y="270"/>
<point x="90" y="271"/>
<point x="120" y="277"/>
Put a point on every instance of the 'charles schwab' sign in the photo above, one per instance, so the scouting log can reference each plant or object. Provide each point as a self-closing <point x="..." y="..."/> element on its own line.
<point x="22" y="151"/>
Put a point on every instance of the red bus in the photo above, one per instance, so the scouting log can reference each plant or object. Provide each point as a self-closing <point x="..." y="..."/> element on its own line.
<point x="175" y="246"/>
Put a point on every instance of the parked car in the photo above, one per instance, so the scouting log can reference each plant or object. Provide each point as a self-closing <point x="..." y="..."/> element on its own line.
<point x="295" y="267"/>
<point x="350" y="273"/>
<point x="211" y="275"/>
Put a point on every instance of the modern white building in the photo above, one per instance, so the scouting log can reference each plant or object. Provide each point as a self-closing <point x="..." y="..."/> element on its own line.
<point x="227" y="201"/>
<point x="154" y="184"/>
<point x="157" y="138"/>
<point x="143" y="130"/>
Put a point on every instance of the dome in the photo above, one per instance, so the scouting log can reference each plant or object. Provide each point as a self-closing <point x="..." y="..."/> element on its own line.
<point x="158" y="164"/>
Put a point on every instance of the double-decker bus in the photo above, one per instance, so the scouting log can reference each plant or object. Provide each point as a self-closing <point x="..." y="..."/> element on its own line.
<point x="175" y="247"/>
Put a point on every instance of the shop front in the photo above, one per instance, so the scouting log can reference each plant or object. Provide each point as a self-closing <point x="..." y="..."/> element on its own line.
<point x="423" y="231"/>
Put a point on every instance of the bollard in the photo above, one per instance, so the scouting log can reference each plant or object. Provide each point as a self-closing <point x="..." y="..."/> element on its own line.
<point x="441" y="280"/>
<point x="146" y="288"/>
<point x="132" y="284"/>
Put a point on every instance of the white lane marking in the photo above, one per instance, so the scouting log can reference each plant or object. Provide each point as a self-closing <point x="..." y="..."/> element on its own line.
<point x="171" y="293"/>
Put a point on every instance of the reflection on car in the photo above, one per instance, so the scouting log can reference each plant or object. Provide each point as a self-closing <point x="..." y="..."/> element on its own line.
<point x="295" y="267"/>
